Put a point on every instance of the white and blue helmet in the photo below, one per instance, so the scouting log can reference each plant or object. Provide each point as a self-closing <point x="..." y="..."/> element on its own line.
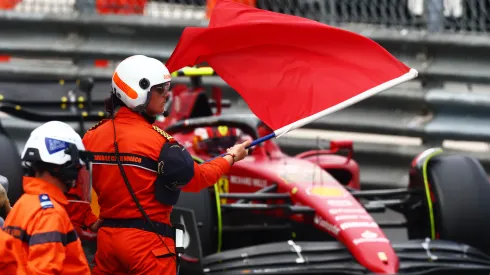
<point x="48" y="143"/>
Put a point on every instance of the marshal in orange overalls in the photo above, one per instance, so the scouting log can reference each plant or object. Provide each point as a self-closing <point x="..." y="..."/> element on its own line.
<point x="123" y="250"/>
<point x="44" y="239"/>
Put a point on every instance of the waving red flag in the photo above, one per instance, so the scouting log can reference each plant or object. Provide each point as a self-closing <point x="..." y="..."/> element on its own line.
<point x="289" y="70"/>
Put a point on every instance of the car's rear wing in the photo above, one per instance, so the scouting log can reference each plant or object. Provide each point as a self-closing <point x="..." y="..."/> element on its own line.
<point x="195" y="72"/>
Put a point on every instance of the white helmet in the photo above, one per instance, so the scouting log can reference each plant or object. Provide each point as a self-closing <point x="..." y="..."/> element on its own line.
<point x="134" y="77"/>
<point x="47" y="143"/>
<point x="56" y="143"/>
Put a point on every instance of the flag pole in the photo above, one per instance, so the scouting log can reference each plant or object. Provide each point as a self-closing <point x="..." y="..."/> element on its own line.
<point x="412" y="73"/>
<point x="255" y="142"/>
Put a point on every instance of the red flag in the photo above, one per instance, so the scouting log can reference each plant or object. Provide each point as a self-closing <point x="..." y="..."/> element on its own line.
<point x="289" y="70"/>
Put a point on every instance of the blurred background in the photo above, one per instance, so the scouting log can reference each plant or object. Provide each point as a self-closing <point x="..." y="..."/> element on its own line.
<point x="48" y="46"/>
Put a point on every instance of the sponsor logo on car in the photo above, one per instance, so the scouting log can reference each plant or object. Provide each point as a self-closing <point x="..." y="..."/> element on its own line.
<point x="249" y="158"/>
<point x="298" y="174"/>
<point x="352" y="217"/>
<point x="248" y="181"/>
<point x="324" y="191"/>
<point x="347" y="225"/>
<point x="326" y="225"/>
<point x="223" y="187"/>
<point x="223" y="130"/>
<point x="339" y="203"/>
<point x="347" y="211"/>
<point x="370" y="237"/>
<point x="382" y="256"/>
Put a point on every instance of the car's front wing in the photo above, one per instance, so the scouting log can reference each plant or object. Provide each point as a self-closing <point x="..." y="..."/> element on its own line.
<point x="416" y="257"/>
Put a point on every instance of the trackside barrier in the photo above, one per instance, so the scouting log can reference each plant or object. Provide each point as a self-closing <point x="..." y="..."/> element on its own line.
<point x="432" y="115"/>
<point x="79" y="40"/>
<point x="458" y="116"/>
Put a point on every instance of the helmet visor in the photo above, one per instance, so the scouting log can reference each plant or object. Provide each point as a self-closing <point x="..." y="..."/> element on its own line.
<point x="162" y="89"/>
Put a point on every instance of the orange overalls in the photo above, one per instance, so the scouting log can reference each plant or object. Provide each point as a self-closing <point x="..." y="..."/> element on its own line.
<point x="80" y="213"/>
<point x="8" y="262"/>
<point x="44" y="239"/>
<point x="131" y="250"/>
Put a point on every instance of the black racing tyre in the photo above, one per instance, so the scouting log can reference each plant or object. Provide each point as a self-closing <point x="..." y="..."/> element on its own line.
<point x="11" y="168"/>
<point x="461" y="200"/>
<point x="204" y="206"/>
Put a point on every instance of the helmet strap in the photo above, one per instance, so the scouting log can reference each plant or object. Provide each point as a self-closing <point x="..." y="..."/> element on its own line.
<point x="142" y="110"/>
<point x="30" y="171"/>
<point x="68" y="172"/>
<point x="113" y="102"/>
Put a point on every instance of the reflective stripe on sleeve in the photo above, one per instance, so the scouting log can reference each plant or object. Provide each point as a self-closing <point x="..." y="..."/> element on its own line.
<point x="42" y="238"/>
<point x="53" y="237"/>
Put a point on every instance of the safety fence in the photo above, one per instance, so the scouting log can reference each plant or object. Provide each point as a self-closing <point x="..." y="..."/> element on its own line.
<point x="430" y="15"/>
<point x="71" y="47"/>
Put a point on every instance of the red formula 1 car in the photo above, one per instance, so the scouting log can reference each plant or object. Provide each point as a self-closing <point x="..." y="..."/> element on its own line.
<point x="306" y="214"/>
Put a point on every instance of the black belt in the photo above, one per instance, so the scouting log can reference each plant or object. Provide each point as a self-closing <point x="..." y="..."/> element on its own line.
<point x="161" y="228"/>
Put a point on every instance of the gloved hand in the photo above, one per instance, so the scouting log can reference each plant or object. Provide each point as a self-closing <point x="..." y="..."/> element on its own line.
<point x="4" y="203"/>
